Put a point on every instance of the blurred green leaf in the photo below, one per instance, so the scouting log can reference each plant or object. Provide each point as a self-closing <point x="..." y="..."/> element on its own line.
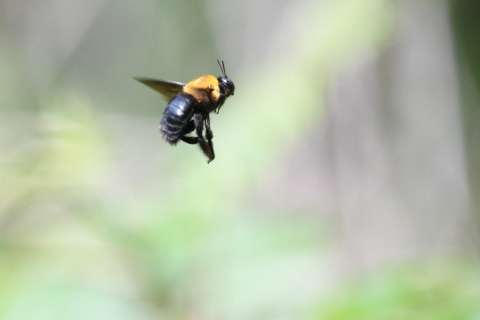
<point x="435" y="290"/>
<point x="50" y="303"/>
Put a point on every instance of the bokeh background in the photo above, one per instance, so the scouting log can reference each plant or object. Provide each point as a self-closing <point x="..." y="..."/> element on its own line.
<point x="347" y="177"/>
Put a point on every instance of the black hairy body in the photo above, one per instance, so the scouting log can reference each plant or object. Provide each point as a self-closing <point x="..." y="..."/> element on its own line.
<point x="183" y="114"/>
<point x="176" y="117"/>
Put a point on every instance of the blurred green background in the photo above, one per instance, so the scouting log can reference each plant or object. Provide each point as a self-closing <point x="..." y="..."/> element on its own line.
<point x="346" y="183"/>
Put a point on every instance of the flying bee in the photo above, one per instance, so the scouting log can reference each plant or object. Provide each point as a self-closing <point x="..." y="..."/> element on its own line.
<point x="189" y="107"/>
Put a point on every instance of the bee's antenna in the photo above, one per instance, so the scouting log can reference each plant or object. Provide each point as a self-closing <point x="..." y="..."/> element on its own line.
<point x="222" y="67"/>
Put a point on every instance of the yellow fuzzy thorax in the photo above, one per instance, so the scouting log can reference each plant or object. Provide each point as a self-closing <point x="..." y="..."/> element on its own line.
<point x="197" y="88"/>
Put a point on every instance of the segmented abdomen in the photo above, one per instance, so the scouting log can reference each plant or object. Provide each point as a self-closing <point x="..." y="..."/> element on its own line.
<point x="178" y="112"/>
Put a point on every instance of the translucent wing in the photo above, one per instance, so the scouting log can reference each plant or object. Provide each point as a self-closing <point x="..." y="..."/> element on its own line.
<point x="168" y="89"/>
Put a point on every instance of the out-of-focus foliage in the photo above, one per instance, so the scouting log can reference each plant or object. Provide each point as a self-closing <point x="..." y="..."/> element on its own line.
<point x="434" y="290"/>
<point x="466" y="26"/>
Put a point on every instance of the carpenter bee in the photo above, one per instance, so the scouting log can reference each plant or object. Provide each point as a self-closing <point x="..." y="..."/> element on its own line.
<point x="189" y="107"/>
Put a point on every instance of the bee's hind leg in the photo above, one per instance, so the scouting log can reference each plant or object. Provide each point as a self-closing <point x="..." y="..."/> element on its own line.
<point x="199" y="119"/>
<point x="197" y="124"/>
<point x="209" y="135"/>
<point x="189" y="128"/>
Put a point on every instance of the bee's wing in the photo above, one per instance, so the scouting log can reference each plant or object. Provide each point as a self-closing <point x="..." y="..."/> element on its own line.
<point x="169" y="89"/>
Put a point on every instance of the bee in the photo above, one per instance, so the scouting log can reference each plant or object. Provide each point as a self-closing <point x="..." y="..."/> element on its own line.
<point x="189" y="107"/>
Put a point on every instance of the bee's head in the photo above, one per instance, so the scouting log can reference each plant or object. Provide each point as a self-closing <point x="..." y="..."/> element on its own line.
<point x="226" y="85"/>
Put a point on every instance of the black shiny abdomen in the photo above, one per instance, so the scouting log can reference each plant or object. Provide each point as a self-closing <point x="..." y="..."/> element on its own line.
<point x="178" y="112"/>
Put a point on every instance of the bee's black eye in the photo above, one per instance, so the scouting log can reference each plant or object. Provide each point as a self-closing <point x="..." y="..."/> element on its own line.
<point x="228" y="84"/>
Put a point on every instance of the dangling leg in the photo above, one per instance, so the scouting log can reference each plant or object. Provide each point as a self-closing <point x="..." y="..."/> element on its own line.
<point x="188" y="128"/>
<point x="189" y="140"/>
<point x="209" y="135"/>
<point x="197" y="124"/>
<point x="201" y="141"/>
<point x="198" y="119"/>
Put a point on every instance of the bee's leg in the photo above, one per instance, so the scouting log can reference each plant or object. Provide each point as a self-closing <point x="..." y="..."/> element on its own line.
<point x="198" y="119"/>
<point x="189" y="140"/>
<point x="209" y="134"/>
<point x="189" y="128"/>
